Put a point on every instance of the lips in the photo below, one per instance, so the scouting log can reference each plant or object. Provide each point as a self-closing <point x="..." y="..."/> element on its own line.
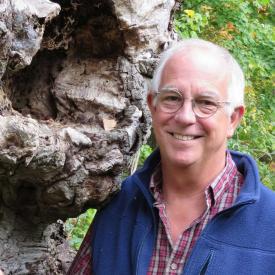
<point x="184" y="137"/>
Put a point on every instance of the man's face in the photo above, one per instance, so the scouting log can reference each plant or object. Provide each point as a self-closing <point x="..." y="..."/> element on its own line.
<point x="183" y="138"/>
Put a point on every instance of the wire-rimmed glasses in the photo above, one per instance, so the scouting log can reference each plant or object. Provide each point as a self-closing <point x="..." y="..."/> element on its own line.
<point x="170" y="100"/>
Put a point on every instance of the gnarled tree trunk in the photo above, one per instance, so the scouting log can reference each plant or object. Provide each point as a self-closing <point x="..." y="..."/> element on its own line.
<point x="72" y="114"/>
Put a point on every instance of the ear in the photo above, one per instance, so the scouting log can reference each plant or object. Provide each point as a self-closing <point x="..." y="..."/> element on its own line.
<point x="150" y="102"/>
<point x="235" y="119"/>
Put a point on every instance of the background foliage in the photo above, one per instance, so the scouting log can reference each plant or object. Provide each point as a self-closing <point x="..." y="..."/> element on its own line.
<point x="246" y="29"/>
<point x="76" y="228"/>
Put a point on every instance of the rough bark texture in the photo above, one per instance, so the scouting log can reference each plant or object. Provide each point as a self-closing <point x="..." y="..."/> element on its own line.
<point x="72" y="114"/>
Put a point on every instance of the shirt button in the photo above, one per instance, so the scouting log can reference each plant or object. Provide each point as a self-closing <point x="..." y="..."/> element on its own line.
<point x="174" y="266"/>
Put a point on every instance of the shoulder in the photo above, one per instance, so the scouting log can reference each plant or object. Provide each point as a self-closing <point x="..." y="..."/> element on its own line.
<point x="136" y="187"/>
<point x="133" y="197"/>
<point x="133" y="193"/>
<point x="120" y="201"/>
<point x="253" y="186"/>
<point x="267" y="200"/>
<point x="256" y="200"/>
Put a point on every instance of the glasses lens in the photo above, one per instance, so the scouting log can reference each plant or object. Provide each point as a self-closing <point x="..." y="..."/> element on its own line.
<point x="169" y="101"/>
<point x="205" y="107"/>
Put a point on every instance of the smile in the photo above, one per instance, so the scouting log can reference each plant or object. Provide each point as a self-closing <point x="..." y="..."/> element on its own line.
<point x="184" y="138"/>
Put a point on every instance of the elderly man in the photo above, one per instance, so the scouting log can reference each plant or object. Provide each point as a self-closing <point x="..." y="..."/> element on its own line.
<point x="194" y="207"/>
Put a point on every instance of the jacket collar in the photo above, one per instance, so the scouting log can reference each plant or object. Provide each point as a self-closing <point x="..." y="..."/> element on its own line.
<point x="250" y="191"/>
<point x="247" y="166"/>
<point x="143" y="175"/>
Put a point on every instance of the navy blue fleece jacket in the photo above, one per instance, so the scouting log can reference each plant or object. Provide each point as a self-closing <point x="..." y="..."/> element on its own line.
<point x="238" y="241"/>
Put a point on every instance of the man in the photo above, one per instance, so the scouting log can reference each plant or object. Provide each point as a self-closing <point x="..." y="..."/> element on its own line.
<point x="194" y="207"/>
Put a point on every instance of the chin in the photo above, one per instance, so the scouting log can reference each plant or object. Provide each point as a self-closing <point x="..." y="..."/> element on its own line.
<point x="184" y="163"/>
<point x="182" y="159"/>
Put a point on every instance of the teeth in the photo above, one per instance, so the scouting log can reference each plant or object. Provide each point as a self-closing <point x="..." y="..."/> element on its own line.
<point x="184" y="138"/>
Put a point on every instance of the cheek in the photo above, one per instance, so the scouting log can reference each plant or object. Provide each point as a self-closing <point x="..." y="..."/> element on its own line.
<point x="207" y="125"/>
<point x="158" y="128"/>
<point x="216" y="127"/>
<point x="160" y="120"/>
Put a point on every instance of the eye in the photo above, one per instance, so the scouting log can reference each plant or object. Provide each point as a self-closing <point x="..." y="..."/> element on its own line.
<point x="206" y="102"/>
<point x="170" y="97"/>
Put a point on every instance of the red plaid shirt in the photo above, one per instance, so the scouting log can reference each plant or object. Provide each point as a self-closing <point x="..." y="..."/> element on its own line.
<point x="169" y="258"/>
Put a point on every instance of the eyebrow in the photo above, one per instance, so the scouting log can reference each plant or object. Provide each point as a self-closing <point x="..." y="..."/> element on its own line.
<point x="204" y="93"/>
<point x="209" y="94"/>
<point x="169" y="87"/>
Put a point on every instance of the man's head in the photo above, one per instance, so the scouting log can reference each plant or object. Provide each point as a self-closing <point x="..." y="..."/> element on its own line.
<point x="196" y="102"/>
<point x="236" y="83"/>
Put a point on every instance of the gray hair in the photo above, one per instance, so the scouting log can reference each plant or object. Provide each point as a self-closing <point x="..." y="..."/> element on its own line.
<point x="235" y="90"/>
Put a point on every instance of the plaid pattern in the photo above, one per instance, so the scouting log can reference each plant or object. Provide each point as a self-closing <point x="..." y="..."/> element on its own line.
<point x="82" y="263"/>
<point x="169" y="258"/>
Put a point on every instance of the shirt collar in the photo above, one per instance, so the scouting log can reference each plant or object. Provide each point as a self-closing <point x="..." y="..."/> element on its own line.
<point x="213" y="191"/>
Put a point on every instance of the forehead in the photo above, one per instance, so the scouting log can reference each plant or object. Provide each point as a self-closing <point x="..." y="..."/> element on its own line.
<point x="197" y="68"/>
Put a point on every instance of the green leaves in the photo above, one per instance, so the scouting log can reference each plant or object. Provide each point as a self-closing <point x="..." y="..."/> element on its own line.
<point x="76" y="228"/>
<point x="189" y="23"/>
<point x="145" y="151"/>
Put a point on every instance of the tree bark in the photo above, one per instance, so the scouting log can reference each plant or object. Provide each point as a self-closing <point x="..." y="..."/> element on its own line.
<point x="72" y="115"/>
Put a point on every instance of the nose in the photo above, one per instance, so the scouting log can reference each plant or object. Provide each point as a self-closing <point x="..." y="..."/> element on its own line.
<point x="185" y="115"/>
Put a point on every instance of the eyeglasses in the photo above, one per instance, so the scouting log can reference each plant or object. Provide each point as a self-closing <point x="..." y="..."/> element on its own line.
<point x="170" y="100"/>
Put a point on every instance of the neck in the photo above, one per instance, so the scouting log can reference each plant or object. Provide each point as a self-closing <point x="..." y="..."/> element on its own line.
<point x="190" y="181"/>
